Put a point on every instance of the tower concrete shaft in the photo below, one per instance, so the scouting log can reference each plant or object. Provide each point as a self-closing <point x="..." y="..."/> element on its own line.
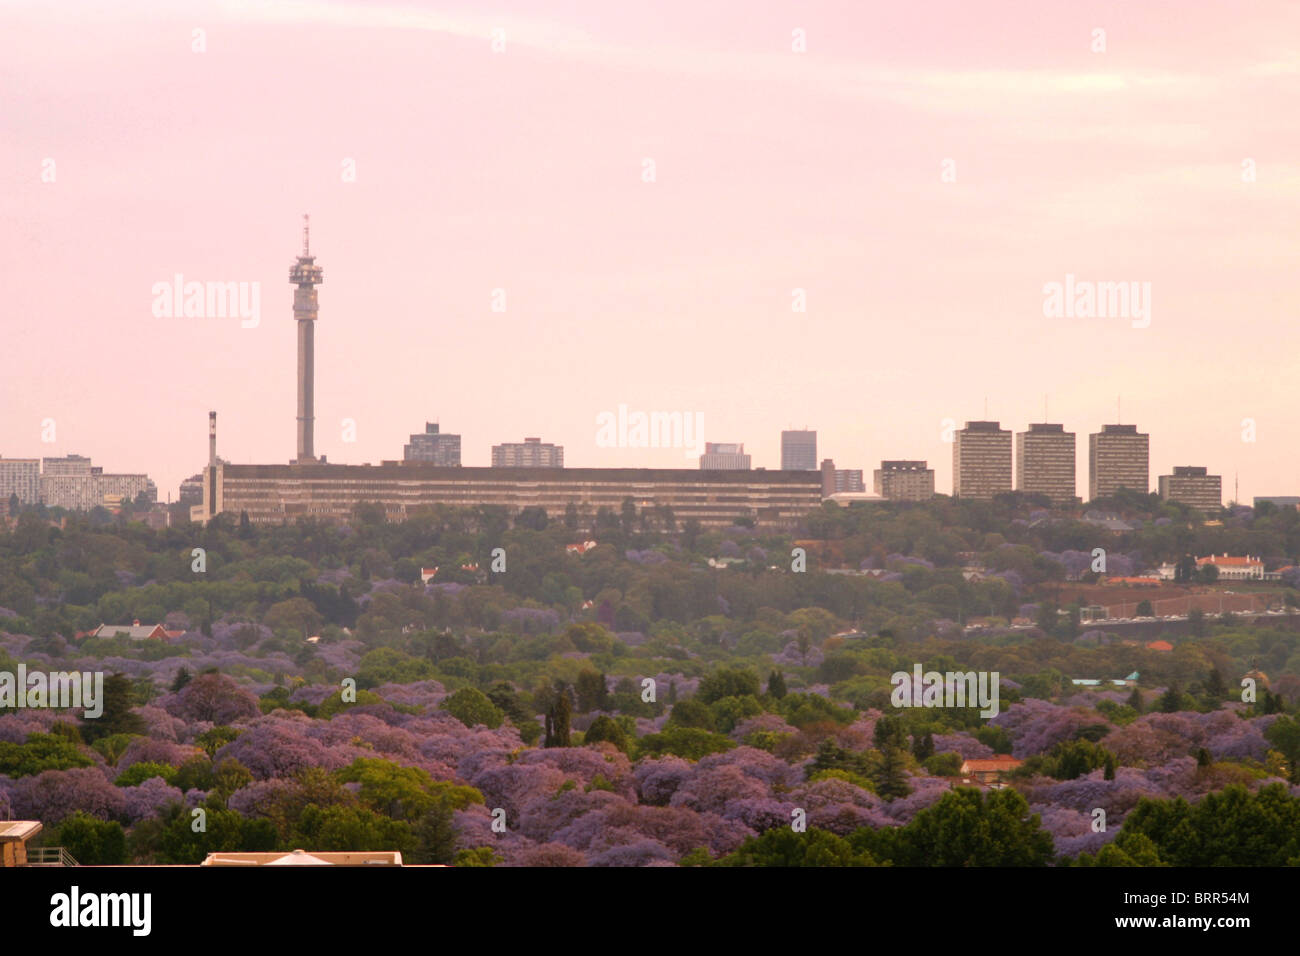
<point x="306" y="275"/>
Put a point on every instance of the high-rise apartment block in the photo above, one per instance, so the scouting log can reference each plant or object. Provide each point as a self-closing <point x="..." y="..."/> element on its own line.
<point x="903" y="480"/>
<point x="530" y="453"/>
<point x="1045" y="462"/>
<point x="21" y="477"/>
<point x="981" y="460"/>
<point x="434" y="447"/>
<point x="67" y="465"/>
<point x="191" y="492"/>
<point x="72" y="482"/>
<point x="1193" y="487"/>
<point x="840" y="480"/>
<point x="1118" y="457"/>
<point x="722" y="456"/>
<point x="798" y="451"/>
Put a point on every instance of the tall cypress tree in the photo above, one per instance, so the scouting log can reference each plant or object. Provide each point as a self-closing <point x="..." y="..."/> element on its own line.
<point x="557" y="722"/>
<point x="923" y="746"/>
<point x="117" y="716"/>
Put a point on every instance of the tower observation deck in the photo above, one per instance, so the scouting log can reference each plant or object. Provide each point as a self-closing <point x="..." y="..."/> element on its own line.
<point x="306" y="275"/>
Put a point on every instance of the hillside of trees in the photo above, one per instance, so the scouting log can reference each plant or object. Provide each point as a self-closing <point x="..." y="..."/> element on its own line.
<point x="671" y="696"/>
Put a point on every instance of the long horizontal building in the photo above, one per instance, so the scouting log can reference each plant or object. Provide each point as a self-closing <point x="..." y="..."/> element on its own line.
<point x="272" y="494"/>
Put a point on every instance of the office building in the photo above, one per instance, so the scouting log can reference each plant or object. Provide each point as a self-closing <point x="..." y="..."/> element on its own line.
<point x="903" y="480"/>
<point x="799" y="450"/>
<point x="434" y="447"/>
<point x="1192" y="486"/>
<point x="1118" y="457"/>
<point x="981" y="460"/>
<point x="1279" y="501"/>
<point x="1045" y="462"/>
<point x="530" y="453"/>
<point x="21" y="477"/>
<point x="723" y="456"/>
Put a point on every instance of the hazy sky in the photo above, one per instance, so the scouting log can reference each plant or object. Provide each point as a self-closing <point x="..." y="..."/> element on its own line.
<point x="774" y="170"/>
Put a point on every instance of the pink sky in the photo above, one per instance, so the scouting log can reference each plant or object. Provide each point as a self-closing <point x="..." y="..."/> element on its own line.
<point x="776" y="170"/>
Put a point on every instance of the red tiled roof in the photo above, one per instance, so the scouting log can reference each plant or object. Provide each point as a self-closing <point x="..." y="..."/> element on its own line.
<point x="1160" y="646"/>
<point x="1000" y="762"/>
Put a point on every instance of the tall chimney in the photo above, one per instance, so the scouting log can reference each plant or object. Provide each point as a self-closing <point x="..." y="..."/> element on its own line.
<point x="212" y="439"/>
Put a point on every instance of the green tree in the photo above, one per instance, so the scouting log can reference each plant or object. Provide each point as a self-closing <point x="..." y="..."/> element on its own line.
<point x="923" y="746"/>
<point x="294" y="616"/>
<point x="1216" y="688"/>
<point x="225" y="831"/>
<point x="228" y="776"/>
<point x="39" y="753"/>
<point x="472" y="707"/>
<point x="1284" y="735"/>
<point x="1144" y="609"/>
<point x="691" y="713"/>
<point x="213" y="740"/>
<point x="118" y="716"/>
<point x="727" y="682"/>
<point x="557" y="722"/>
<point x="92" y="841"/>
<point x="730" y="711"/>
<point x="690" y="743"/>
<point x="591" y="691"/>
<point x="606" y="728"/>
<point x="782" y="846"/>
<point x="478" y="856"/>
<point x="403" y="793"/>
<point x="1171" y="701"/>
<point x="343" y="828"/>
<point x="891" y="778"/>
<point x="1135" y="700"/>
<point x="138" y="773"/>
<point x="1232" y="827"/>
<point x="776" y="684"/>
<point x="968" y="828"/>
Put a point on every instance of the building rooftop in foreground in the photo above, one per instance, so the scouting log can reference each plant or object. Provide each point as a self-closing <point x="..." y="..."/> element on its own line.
<point x="303" y="858"/>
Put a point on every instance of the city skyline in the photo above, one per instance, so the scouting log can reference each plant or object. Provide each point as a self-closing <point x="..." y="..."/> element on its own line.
<point x="670" y="294"/>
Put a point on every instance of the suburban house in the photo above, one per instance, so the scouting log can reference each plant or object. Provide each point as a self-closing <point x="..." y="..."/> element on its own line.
<point x="1233" y="568"/>
<point x="1130" y="681"/>
<point x="135" y="630"/>
<point x="988" y="771"/>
